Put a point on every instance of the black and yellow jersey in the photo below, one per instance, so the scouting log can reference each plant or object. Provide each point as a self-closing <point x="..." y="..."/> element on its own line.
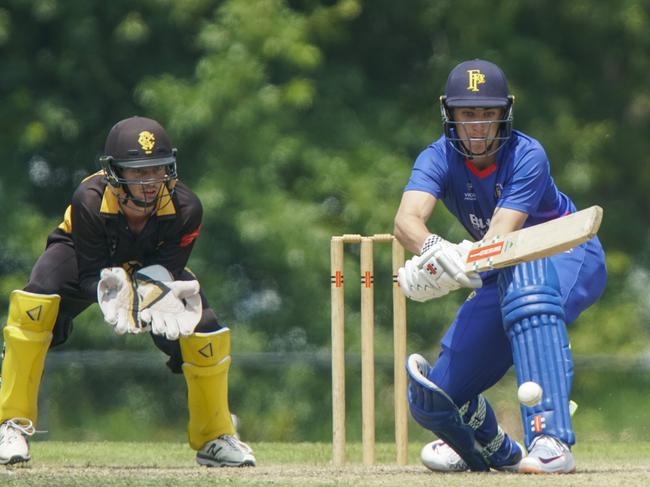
<point x="98" y="231"/>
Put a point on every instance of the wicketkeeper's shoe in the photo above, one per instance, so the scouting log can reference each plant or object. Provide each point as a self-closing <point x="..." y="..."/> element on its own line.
<point x="548" y="455"/>
<point x="440" y="457"/>
<point x="14" y="447"/>
<point x="225" y="451"/>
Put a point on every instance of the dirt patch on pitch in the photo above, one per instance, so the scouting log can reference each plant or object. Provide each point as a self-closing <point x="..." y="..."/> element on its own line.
<point x="302" y="475"/>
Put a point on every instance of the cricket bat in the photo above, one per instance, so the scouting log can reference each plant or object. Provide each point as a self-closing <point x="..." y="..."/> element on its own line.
<point x="535" y="242"/>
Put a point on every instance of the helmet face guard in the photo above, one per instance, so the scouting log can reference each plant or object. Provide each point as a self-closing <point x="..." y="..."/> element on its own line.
<point x="463" y="145"/>
<point x="113" y="172"/>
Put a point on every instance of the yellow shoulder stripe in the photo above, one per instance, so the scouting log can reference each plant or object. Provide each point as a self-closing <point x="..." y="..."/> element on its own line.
<point x="110" y="204"/>
<point x="66" y="224"/>
<point x="165" y="205"/>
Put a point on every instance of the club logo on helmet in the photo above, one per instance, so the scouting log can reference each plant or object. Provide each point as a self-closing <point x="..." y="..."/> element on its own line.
<point x="147" y="141"/>
<point x="475" y="78"/>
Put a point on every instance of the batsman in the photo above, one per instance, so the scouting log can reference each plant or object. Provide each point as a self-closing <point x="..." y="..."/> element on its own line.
<point x="494" y="180"/>
<point x="124" y="243"/>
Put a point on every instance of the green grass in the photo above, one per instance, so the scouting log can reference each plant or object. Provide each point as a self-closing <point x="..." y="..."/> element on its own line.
<point x="296" y="464"/>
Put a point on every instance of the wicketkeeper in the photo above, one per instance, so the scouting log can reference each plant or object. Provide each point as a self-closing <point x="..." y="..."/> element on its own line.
<point x="494" y="180"/>
<point x="124" y="243"/>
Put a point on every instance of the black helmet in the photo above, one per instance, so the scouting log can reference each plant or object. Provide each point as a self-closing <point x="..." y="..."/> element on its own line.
<point x="135" y="143"/>
<point x="476" y="84"/>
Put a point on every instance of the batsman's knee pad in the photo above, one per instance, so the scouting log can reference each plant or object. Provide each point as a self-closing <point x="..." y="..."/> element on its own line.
<point x="27" y="337"/>
<point x="206" y="360"/>
<point x="533" y="318"/>
<point x="432" y="408"/>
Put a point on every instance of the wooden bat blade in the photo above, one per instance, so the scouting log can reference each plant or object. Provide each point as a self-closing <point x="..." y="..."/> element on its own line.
<point x="535" y="242"/>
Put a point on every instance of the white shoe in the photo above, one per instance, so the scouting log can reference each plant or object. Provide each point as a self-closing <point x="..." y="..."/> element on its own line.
<point x="14" y="447"/>
<point x="548" y="455"/>
<point x="440" y="457"/>
<point x="226" y="451"/>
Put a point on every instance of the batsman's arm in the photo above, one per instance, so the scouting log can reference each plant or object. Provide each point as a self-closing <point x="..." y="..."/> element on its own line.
<point x="410" y="221"/>
<point x="504" y="221"/>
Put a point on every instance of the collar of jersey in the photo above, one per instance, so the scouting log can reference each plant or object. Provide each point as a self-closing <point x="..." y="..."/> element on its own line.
<point x="111" y="205"/>
<point x="481" y="173"/>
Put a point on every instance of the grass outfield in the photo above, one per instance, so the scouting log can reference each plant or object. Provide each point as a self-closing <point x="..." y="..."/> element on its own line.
<point x="296" y="464"/>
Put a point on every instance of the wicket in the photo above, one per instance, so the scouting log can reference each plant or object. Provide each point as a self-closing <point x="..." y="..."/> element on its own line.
<point x="367" y="348"/>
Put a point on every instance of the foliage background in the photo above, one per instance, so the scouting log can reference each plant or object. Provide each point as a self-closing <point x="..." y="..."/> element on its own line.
<point x="297" y="120"/>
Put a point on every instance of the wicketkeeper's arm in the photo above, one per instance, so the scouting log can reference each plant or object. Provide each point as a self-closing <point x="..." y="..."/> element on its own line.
<point x="90" y="243"/>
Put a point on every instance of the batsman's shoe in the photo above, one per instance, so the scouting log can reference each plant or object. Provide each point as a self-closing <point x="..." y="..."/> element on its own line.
<point x="548" y="455"/>
<point x="509" y="460"/>
<point x="440" y="457"/>
<point x="14" y="447"/>
<point x="226" y="451"/>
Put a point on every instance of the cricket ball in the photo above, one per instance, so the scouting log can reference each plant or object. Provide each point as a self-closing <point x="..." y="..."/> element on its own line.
<point x="529" y="393"/>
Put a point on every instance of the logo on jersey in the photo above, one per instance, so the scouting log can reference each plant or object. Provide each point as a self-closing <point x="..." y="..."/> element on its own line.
<point x="470" y="195"/>
<point x="479" y="224"/>
<point x="475" y="78"/>
<point x="498" y="189"/>
<point x="147" y="141"/>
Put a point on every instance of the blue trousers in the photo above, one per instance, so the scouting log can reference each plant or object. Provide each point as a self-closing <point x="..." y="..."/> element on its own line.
<point x="476" y="352"/>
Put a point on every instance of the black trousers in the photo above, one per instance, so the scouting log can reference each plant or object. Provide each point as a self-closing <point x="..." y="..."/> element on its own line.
<point x="55" y="272"/>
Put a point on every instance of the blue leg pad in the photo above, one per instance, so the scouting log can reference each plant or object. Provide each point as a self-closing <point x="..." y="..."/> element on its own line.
<point x="533" y="318"/>
<point x="432" y="408"/>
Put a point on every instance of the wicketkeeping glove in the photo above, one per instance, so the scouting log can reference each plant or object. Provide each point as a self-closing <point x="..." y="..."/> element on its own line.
<point x="119" y="301"/>
<point x="172" y="308"/>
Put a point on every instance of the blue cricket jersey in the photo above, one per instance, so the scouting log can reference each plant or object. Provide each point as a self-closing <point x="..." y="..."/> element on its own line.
<point x="519" y="180"/>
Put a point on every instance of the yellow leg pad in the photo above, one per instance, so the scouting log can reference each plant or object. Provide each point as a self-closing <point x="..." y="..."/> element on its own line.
<point x="206" y="359"/>
<point x="27" y="338"/>
<point x="34" y="312"/>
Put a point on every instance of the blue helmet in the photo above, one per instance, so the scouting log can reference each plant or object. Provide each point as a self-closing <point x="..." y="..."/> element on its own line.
<point x="477" y="84"/>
